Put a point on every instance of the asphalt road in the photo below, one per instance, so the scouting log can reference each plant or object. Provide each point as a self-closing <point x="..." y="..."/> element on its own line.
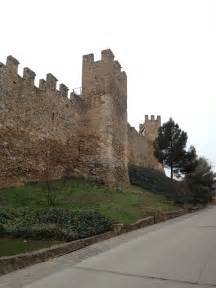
<point x="180" y="253"/>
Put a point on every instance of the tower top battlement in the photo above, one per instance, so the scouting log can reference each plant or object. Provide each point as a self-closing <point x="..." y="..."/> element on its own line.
<point x="150" y="127"/>
<point x="152" y="118"/>
<point x="98" y="75"/>
<point x="106" y="56"/>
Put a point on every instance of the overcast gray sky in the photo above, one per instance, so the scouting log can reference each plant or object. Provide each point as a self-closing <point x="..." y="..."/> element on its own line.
<point x="167" y="48"/>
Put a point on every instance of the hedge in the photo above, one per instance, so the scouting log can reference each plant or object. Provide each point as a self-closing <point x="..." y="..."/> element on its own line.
<point x="53" y="223"/>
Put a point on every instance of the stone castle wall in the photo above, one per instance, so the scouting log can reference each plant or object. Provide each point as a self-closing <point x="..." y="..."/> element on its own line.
<point x="38" y="127"/>
<point x="44" y="134"/>
<point x="140" y="145"/>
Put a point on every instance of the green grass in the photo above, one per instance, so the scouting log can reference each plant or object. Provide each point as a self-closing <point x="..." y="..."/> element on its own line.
<point x="9" y="247"/>
<point x="121" y="205"/>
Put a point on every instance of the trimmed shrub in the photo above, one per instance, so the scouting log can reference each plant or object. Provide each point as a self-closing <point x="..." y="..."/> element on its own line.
<point x="7" y="215"/>
<point x="53" y="223"/>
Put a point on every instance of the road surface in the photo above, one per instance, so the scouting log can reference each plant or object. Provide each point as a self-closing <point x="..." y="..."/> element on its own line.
<point x="179" y="253"/>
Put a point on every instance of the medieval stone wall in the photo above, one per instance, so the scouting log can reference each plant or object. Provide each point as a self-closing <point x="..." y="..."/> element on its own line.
<point x="140" y="144"/>
<point x="38" y="127"/>
<point x="44" y="134"/>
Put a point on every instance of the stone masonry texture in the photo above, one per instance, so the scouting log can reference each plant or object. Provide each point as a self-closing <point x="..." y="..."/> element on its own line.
<point x="47" y="134"/>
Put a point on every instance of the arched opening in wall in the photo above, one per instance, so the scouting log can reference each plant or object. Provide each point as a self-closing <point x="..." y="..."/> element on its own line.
<point x="53" y="116"/>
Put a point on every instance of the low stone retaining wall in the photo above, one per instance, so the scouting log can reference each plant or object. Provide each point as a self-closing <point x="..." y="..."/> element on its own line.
<point x="194" y="209"/>
<point x="124" y="228"/>
<point x="150" y="220"/>
<point x="140" y="224"/>
<point x="169" y="215"/>
<point x="12" y="263"/>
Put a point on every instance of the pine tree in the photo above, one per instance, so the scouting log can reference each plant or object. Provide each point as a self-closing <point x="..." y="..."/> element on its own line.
<point x="201" y="181"/>
<point x="170" y="146"/>
<point x="189" y="162"/>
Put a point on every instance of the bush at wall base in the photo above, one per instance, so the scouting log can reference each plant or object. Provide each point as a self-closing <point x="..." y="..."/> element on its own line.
<point x="53" y="223"/>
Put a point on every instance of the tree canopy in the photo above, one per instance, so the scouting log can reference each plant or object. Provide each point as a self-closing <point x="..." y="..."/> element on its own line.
<point x="201" y="181"/>
<point x="169" y="146"/>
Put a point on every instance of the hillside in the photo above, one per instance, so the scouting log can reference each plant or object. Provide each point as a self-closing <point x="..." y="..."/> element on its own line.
<point x="120" y="205"/>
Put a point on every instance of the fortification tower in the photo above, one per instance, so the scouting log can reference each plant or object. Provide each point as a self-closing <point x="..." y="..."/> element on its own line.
<point x="103" y="142"/>
<point x="150" y="127"/>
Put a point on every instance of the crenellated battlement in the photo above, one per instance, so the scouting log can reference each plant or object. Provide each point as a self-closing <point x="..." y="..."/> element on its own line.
<point x="9" y="71"/>
<point x="12" y="64"/>
<point x="106" y="68"/>
<point x="107" y="56"/>
<point x="150" y="126"/>
<point x="63" y="89"/>
<point x="152" y="118"/>
<point x="51" y="81"/>
<point x="29" y="76"/>
<point x="88" y="59"/>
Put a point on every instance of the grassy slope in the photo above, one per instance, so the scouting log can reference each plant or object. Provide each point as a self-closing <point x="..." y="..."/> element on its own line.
<point x="10" y="247"/>
<point x="126" y="205"/>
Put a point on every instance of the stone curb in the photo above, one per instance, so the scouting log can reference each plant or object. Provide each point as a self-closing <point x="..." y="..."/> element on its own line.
<point x="124" y="228"/>
<point x="11" y="263"/>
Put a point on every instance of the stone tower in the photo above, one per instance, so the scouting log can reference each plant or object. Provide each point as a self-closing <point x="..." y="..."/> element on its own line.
<point x="103" y="144"/>
<point x="150" y="127"/>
